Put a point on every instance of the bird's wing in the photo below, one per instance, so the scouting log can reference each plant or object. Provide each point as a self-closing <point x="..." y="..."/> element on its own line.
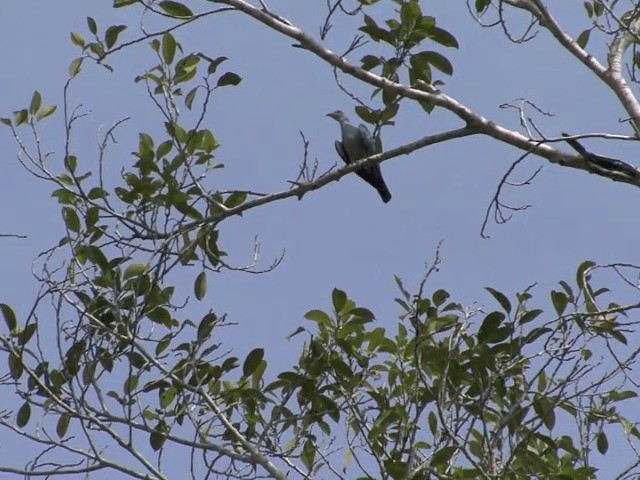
<point x="367" y="140"/>
<point x="341" y="151"/>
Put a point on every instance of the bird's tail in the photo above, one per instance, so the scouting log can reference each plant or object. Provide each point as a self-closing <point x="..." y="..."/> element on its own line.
<point x="384" y="192"/>
<point x="373" y="176"/>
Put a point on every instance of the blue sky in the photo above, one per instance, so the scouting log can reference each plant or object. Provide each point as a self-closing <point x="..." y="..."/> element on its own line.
<point x="343" y="235"/>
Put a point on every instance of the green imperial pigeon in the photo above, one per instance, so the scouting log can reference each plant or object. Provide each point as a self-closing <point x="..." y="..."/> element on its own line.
<point x="358" y="143"/>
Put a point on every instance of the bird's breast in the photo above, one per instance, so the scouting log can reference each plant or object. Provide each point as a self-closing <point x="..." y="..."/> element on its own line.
<point x="351" y="143"/>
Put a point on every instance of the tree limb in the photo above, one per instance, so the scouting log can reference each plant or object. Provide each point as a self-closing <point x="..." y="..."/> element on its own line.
<point x="473" y="120"/>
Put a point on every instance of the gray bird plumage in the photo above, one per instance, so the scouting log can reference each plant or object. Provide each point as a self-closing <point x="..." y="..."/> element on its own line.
<point x="358" y="143"/>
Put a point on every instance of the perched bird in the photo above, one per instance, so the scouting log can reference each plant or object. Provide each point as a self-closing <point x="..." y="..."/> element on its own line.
<point x="601" y="163"/>
<point x="358" y="143"/>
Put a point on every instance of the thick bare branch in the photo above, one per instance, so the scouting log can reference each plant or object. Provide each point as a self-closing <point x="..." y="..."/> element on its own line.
<point x="611" y="75"/>
<point x="478" y="123"/>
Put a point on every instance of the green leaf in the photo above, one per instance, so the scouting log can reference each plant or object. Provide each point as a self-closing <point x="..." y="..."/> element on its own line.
<point x="145" y="143"/>
<point x="213" y="65"/>
<point x="369" y="62"/>
<point x="318" y="316"/>
<point x="206" y="326"/>
<point x="135" y="270"/>
<point x="65" y="197"/>
<point x="375" y="32"/>
<point x="542" y="382"/>
<point x="235" y="199"/>
<point x="93" y="26"/>
<point x="560" y="301"/>
<point x="27" y="334"/>
<point x="46" y="111"/>
<point x="123" y="3"/>
<point x="15" y="366"/>
<point x="131" y="384"/>
<point x="163" y="344"/>
<point x="75" y="66"/>
<point x="168" y="48"/>
<point x="529" y="316"/>
<point x="481" y="5"/>
<point x="9" y="316"/>
<point x="308" y="454"/>
<point x="439" y="297"/>
<point x="208" y="142"/>
<point x="616" y="396"/>
<point x="70" y="163"/>
<point x="176" y="9"/>
<point x="602" y="443"/>
<point x="112" y="33"/>
<point x="65" y="179"/>
<point x="73" y="357"/>
<point x="167" y="397"/>
<point x="501" y="298"/>
<point x="598" y="10"/>
<point x="97" y="49"/>
<point x="619" y="336"/>
<point x="420" y="69"/>
<point x="589" y="9"/>
<point x="63" y="425"/>
<point x="583" y="38"/>
<point x="71" y="219"/>
<point x="339" y="299"/>
<point x="36" y="102"/>
<point x="544" y="408"/>
<point x="78" y="40"/>
<point x="442" y="456"/>
<point x="433" y="423"/>
<point x="157" y="437"/>
<point x="23" y="415"/>
<point x="443" y="37"/>
<point x="535" y="334"/>
<point x="252" y="361"/>
<point x="164" y="148"/>
<point x="200" y="285"/>
<point x="341" y="369"/>
<point x="161" y="316"/>
<point x="363" y="314"/>
<point x="367" y="114"/>
<point x="20" y="117"/>
<point x="190" y="62"/>
<point x="489" y="330"/>
<point x="438" y="60"/>
<point x="410" y="13"/>
<point x="186" y="68"/>
<point x="387" y="114"/>
<point x="190" y="97"/>
<point x="389" y="97"/>
<point x="176" y="131"/>
<point x="97" y="192"/>
<point x="229" y="78"/>
<point x="580" y="274"/>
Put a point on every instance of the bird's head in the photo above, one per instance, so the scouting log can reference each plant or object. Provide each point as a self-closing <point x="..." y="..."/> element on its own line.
<point x="338" y="115"/>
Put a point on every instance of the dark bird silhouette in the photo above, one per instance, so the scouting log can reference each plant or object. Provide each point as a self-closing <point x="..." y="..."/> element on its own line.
<point x="358" y="143"/>
<point x="600" y="162"/>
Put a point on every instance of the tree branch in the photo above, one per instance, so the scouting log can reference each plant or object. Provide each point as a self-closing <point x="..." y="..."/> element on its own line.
<point x="300" y="190"/>
<point x="611" y="76"/>
<point x="477" y="122"/>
